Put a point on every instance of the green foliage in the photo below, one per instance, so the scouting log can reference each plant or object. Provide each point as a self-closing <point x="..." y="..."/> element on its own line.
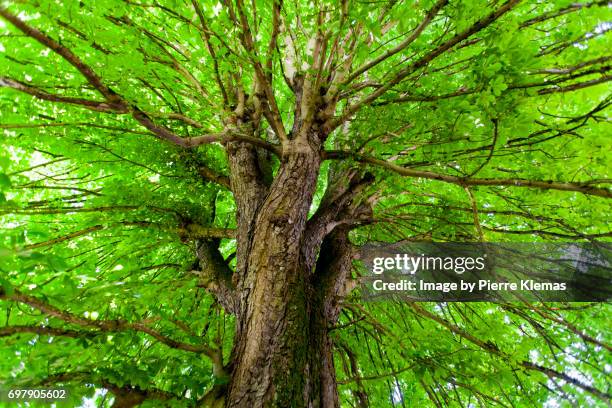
<point x="93" y="208"/>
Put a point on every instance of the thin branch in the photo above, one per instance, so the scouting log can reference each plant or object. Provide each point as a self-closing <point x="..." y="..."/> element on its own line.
<point x="422" y="62"/>
<point x="276" y="27"/>
<point x="64" y="238"/>
<point x="99" y="106"/>
<point x="102" y="325"/>
<point x="423" y="98"/>
<point x="576" y="86"/>
<point x="571" y="69"/>
<point x="191" y="142"/>
<point x="556" y="13"/>
<point x="192" y="231"/>
<point x="67" y="124"/>
<point x="493" y="349"/>
<point x="401" y="46"/>
<point x="68" y="55"/>
<point x="211" y="50"/>
<point x="488" y="159"/>
<point x="178" y="116"/>
<point x="584" y="188"/>
<point x="475" y="213"/>
<point x="135" y="394"/>
<point x="549" y="372"/>
<point x="123" y="106"/>
<point x="271" y="110"/>
<point x="42" y="331"/>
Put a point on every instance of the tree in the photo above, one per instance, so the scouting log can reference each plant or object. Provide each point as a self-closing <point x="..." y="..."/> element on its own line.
<point x="215" y="265"/>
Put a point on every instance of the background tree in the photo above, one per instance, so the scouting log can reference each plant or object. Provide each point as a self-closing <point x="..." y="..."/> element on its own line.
<point x="214" y="265"/>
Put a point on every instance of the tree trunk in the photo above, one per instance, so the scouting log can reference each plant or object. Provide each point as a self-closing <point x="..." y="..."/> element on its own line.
<point x="282" y="354"/>
<point x="327" y="287"/>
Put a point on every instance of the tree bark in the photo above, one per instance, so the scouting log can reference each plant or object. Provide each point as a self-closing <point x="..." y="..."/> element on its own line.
<point x="270" y="350"/>
<point x="282" y="354"/>
<point x="327" y="288"/>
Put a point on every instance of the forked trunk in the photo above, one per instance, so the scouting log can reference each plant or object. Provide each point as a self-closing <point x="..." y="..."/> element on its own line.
<point x="280" y="324"/>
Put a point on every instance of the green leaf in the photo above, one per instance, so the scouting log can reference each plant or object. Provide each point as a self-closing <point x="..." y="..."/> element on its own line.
<point x="5" y="182"/>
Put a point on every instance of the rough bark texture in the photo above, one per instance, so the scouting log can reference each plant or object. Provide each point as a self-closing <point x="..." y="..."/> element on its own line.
<point x="216" y="275"/>
<point x="287" y="299"/>
<point x="327" y="285"/>
<point x="283" y="302"/>
<point x="271" y="343"/>
<point x="249" y="192"/>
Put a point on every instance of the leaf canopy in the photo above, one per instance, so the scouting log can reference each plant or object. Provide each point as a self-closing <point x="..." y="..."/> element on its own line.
<point x="100" y="210"/>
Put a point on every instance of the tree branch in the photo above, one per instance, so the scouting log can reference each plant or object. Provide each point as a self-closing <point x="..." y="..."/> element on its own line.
<point x="401" y="46"/>
<point x="215" y="274"/>
<point x="576" y="86"/>
<point x="492" y="348"/>
<point x="565" y="10"/>
<point x="101" y="325"/>
<point x="189" y="230"/>
<point x="119" y="104"/>
<point x="584" y="188"/>
<point x="422" y="62"/>
<point x="99" y="106"/>
<point x="43" y="331"/>
<point x="549" y="372"/>
<point x="212" y="175"/>
<point x="337" y="199"/>
<point x="68" y="55"/>
<point x="271" y="111"/>
<point x="211" y="51"/>
<point x="126" y="396"/>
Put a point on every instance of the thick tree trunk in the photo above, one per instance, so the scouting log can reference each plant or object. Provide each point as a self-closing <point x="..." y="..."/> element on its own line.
<point x="281" y="324"/>
<point x="328" y="288"/>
